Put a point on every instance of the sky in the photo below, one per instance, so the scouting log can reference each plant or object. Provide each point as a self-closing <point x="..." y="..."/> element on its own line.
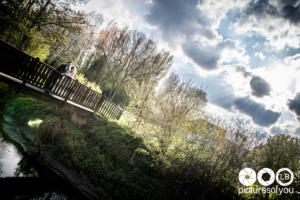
<point x="244" y="53"/>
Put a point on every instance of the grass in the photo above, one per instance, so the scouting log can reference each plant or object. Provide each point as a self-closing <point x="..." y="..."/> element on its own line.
<point x="109" y="155"/>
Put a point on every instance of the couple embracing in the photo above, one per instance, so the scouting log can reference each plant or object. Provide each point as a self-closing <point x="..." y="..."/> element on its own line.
<point x="68" y="70"/>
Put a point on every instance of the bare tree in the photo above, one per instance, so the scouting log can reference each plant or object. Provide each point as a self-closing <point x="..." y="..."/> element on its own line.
<point x="176" y="102"/>
<point x="128" y="55"/>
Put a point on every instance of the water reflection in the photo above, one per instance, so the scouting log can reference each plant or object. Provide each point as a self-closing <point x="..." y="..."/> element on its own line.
<point x="12" y="164"/>
<point x="9" y="159"/>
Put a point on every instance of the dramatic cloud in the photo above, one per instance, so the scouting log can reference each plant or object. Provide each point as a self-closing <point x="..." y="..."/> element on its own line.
<point x="276" y="21"/>
<point x="291" y="10"/>
<point x="177" y="17"/>
<point x="259" y="87"/>
<point x="222" y="94"/>
<point x="183" y="23"/>
<point x="204" y="56"/>
<point x="259" y="114"/>
<point x="219" y="92"/>
<point x="294" y="105"/>
<point x="261" y="8"/>
<point x="287" y="9"/>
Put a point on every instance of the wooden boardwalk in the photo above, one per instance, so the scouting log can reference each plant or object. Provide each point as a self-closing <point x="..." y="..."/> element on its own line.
<point x="30" y="71"/>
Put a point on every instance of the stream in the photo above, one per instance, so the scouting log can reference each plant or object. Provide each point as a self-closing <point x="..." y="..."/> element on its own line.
<point x="11" y="173"/>
<point x="9" y="159"/>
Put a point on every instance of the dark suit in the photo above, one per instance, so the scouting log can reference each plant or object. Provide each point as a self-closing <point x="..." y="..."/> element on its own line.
<point x="63" y="68"/>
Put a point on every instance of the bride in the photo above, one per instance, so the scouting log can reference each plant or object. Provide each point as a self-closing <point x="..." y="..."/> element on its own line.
<point x="72" y="73"/>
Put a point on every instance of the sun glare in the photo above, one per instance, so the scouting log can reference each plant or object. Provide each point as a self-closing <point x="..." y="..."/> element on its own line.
<point x="34" y="123"/>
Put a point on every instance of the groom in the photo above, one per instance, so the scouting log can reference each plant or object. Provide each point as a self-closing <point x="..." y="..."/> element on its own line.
<point x="64" y="68"/>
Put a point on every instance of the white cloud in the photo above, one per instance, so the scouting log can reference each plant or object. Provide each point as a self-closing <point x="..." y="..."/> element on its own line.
<point x="115" y="10"/>
<point x="288" y="128"/>
<point x="260" y="55"/>
<point x="278" y="31"/>
<point x="220" y="8"/>
<point x="293" y="61"/>
<point x="236" y="55"/>
<point x="280" y="75"/>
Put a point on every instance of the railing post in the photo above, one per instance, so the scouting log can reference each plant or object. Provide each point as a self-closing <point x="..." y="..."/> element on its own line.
<point x="70" y="90"/>
<point x="99" y="104"/>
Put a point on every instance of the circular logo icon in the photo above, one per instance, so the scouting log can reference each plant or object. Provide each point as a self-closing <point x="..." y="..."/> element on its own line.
<point x="291" y="176"/>
<point x="247" y="176"/>
<point x="266" y="171"/>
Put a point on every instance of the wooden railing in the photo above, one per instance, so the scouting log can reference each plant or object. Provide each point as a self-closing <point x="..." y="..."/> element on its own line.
<point x="28" y="69"/>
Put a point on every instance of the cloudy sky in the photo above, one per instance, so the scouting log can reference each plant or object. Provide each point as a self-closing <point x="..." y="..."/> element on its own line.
<point x="245" y="54"/>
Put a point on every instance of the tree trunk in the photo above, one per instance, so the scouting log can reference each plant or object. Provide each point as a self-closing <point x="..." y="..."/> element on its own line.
<point x="31" y="26"/>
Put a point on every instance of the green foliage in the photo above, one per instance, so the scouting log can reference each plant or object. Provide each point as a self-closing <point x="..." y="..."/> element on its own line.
<point x="95" y="70"/>
<point x="280" y="151"/>
<point x="6" y="96"/>
<point x="25" y="109"/>
<point x="81" y="79"/>
<point x="18" y="111"/>
<point x="51" y="30"/>
<point x="109" y="155"/>
<point x="37" y="46"/>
